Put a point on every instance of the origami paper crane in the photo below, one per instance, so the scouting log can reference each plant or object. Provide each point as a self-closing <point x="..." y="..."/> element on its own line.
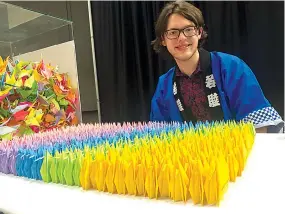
<point x="34" y="97"/>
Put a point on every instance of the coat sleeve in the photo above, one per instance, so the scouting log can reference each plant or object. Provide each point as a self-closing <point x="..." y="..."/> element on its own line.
<point x="158" y="106"/>
<point x="246" y="98"/>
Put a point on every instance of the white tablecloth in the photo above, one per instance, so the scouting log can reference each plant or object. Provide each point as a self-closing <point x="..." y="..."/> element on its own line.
<point x="261" y="188"/>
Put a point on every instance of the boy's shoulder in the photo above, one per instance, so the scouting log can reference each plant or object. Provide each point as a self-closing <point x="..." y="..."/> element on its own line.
<point x="167" y="75"/>
<point x="225" y="57"/>
<point x="221" y="56"/>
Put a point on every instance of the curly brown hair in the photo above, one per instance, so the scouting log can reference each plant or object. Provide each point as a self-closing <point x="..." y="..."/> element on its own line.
<point x="184" y="9"/>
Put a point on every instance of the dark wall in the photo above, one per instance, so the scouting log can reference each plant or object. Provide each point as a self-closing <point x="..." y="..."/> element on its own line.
<point x="77" y="12"/>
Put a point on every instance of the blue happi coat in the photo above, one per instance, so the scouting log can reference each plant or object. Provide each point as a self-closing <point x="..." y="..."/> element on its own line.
<point x="240" y="95"/>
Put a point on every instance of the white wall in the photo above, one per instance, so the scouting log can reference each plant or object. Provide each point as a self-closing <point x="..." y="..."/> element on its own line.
<point x="62" y="55"/>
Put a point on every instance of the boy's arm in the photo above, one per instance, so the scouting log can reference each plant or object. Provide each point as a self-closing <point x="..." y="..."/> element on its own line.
<point x="246" y="97"/>
<point x="157" y="112"/>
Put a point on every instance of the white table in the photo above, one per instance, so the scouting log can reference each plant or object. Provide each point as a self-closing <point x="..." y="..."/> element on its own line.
<point x="261" y="188"/>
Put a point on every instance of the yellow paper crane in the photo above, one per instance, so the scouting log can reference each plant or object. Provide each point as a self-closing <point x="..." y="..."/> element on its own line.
<point x="3" y="65"/>
<point x="34" y="117"/>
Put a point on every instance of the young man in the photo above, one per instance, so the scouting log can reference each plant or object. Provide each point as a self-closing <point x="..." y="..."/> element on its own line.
<point x="205" y="86"/>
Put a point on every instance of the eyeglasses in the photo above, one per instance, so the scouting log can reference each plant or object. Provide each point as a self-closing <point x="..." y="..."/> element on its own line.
<point x="175" y="33"/>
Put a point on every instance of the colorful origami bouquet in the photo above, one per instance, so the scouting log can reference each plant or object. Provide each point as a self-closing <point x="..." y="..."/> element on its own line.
<point x="34" y="97"/>
<point x="179" y="161"/>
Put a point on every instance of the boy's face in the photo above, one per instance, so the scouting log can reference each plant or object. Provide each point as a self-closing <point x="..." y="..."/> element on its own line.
<point x="181" y="47"/>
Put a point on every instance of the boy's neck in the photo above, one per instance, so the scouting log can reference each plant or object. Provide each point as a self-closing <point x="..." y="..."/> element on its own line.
<point x="189" y="66"/>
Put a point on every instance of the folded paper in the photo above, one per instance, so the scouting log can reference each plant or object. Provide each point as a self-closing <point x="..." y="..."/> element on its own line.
<point x="29" y="87"/>
<point x="180" y="161"/>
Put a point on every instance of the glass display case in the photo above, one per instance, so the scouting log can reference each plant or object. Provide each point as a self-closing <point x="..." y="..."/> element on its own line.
<point x="39" y="50"/>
